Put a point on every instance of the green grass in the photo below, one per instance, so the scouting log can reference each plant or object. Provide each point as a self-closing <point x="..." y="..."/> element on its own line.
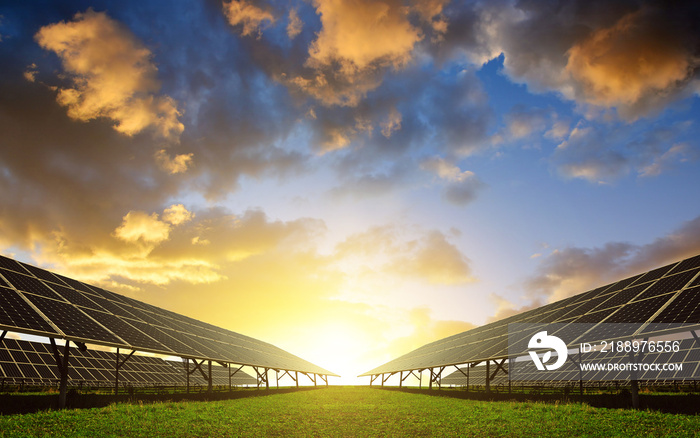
<point x="349" y="411"/>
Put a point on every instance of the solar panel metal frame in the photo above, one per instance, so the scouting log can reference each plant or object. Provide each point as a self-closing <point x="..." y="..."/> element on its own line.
<point x="160" y="322"/>
<point x="479" y="350"/>
<point x="25" y="364"/>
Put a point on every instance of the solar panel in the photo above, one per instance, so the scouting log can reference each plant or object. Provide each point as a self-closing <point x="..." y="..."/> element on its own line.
<point x="26" y="283"/>
<point x="684" y="309"/>
<point x="659" y="295"/>
<point x="73" y="322"/>
<point x="87" y="313"/>
<point x="19" y="361"/>
<point x="477" y="377"/>
<point x="16" y="314"/>
<point x="693" y="262"/>
<point x="76" y="297"/>
<point x="43" y="274"/>
<point x="128" y="333"/>
<point x="10" y="264"/>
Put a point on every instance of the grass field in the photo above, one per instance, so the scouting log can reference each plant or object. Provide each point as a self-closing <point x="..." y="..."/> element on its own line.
<point x="347" y="411"/>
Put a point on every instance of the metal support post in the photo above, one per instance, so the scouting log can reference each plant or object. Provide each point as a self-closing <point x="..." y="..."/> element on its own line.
<point x="488" y="374"/>
<point x="116" y="374"/>
<point x="62" y="364"/>
<point x="634" y="385"/>
<point x="209" y="380"/>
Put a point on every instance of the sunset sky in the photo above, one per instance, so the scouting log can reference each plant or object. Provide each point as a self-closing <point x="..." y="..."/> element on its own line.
<point x="349" y="180"/>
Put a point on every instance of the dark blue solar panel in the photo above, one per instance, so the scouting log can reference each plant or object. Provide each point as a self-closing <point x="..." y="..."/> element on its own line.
<point x="11" y="264"/>
<point x="43" y="274"/>
<point x="73" y="322"/>
<point x="16" y="312"/>
<point x="668" y="284"/>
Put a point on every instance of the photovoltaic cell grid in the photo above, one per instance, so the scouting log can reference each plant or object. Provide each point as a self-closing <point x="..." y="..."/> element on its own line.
<point x="37" y="301"/>
<point x="688" y="355"/>
<point x="33" y="362"/>
<point x="642" y="298"/>
<point x="477" y="376"/>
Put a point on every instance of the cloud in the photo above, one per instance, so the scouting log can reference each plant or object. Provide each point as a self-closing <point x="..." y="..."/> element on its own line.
<point x="357" y="42"/>
<point x="588" y="154"/>
<point x="428" y="257"/>
<point x="179" y="164"/>
<point x="393" y="123"/>
<point x="574" y="270"/>
<point x="177" y="214"/>
<point x="294" y="24"/>
<point x="112" y="74"/>
<point x="461" y="187"/>
<point x="357" y="35"/>
<point x="634" y="65"/>
<point x="436" y="260"/>
<point x="247" y="15"/>
<point x="30" y="72"/>
<point x="603" y="154"/>
<point x="635" y="57"/>
<point x="524" y="122"/>
<point x="425" y="329"/>
<point x="559" y="130"/>
<point x="140" y="226"/>
<point x="677" y="152"/>
<point x="431" y="12"/>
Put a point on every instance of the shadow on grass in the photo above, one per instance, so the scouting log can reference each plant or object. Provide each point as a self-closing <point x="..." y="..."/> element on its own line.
<point x="688" y="404"/>
<point x="28" y="403"/>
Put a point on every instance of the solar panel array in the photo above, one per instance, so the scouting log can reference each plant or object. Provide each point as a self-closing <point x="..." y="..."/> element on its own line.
<point x="36" y="301"/>
<point x="477" y="376"/>
<point x="33" y="362"/>
<point x="670" y="294"/>
<point x="688" y="354"/>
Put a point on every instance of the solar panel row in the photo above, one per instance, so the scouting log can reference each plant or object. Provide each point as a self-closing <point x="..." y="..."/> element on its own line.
<point x="36" y="301"/>
<point x="688" y="354"/>
<point x="24" y="361"/>
<point x="662" y="295"/>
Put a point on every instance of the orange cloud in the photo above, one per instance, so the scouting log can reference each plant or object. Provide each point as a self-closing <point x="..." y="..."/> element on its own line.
<point x="628" y="63"/>
<point x="357" y="42"/>
<point x="294" y="25"/>
<point x="431" y="12"/>
<point x="113" y="75"/>
<point x="179" y="164"/>
<point x="360" y="33"/>
<point x="385" y="251"/>
<point x="140" y="226"/>
<point x="246" y="14"/>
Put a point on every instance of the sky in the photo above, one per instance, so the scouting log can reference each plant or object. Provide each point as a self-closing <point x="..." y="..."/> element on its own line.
<point x="349" y="180"/>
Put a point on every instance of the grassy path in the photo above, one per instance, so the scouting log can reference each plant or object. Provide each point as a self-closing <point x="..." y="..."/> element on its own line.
<point x="347" y="412"/>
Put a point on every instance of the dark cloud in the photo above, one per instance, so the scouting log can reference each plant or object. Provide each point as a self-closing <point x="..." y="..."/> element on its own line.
<point x="604" y="154"/>
<point x="574" y="270"/>
<point x="79" y="178"/>
<point x="635" y="56"/>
